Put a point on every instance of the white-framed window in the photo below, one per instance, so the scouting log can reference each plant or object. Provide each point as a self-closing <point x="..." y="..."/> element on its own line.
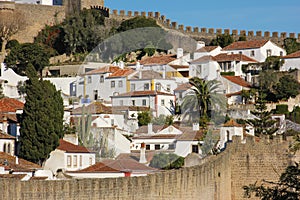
<point x="89" y="79"/>
<point x="252" y="53"/>
<point x="69" y="161"/>
<point x="75" y="160"/>
<point x="120" y="84"/>
<point x="101" y="79"/>
<point x="144" y="102"/>
<point x="168" y="88"/>
<point x="133" y="102"/>
<point x="146" y="86"/>
<point x="112" y="84"/>
<point x="162" y="102"/>
<point x="80" y="160"/>
<point x="132" y="87"/>
<point x="269" y="52"/>
<point x="91" y="161"/>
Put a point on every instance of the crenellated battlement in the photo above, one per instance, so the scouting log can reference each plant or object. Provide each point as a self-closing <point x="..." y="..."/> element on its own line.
<point x="204" y="32"/>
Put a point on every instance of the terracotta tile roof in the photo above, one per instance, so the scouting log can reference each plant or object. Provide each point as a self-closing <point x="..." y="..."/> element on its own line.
<point x="206" y="49"/>
<point x="158" y="60"/>
<point x="10" y="105"/>
<point x="180" y="66"/>
<point x="252" y="44"/>
<point x="147" y="74"/>
<point x="234" y="94"/>
<point x="237" y="80"/>
<point x="191" y="136"/>
<point x="232" y="123"/>
<point x="293" y="55"/>
<point x="97" y="168"/>
<point x="102" y="70"/>
<point x="121" y="73"/>
<point x="71" y="148"/>
<point x="23" y="166"/>
<point x="135" y="155"/>
<point x="117" y="109"/>
<point x="93" y="108"/>
<point x="12" y="176"/>
<point x="156" y="136"/>
<point x="6" y="136"/>
<point x="183" y="87"/>
<point x="203" y="59"/>
<point x="155" y="129"/>
<point x="9" y="117"/>
<point x="129" y="165"/>
<point x="143" y="93"/>
<point x="223" y="57"/>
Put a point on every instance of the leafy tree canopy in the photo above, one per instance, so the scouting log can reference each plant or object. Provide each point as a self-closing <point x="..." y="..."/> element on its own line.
<point x="287" y="87"/>
<point x="26" y="54"/>
<point x="137" y="22"/>
<point x="167" y="161"/>
<point x="291" y="45"/>
<point x="163" y="120"/>
<point x="222" y="40"/>
<point x="144" y="118"/>
<point x="273" y="62"/>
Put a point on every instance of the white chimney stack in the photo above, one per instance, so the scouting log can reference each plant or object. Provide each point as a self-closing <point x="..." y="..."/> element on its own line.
<point x="179" y="52"/>
<point x="143" y="153"/>
<point x="196" y="127"/>
<point x="150" y="128"/>
<point x="138" y="66"/>
<point x="140" y="74"/>
<point x="17" y="160"/>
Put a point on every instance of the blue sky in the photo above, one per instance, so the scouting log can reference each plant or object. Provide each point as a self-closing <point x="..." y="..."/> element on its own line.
<point x="264" y="15"/>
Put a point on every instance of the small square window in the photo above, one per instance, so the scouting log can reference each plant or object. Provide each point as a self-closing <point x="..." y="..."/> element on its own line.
<point x="120" y="84"/>
<point x="168" y="88"/>
<point x="195" y="148"/>
<point x="162" y="102"/>
<point x="252" y="54"/>
<point x="91" y="161"/>
<point x="112" y="84"/>
<point x="89" y="79"/>
<point x="101" y="79"/>
<point x="157" y="147"/>
<point x="133" y="102"/>
<point x="132" y="87"/>
<point x="147" y="146"/>
<point x="144" y="102"/>
<point x="146" y="86"/>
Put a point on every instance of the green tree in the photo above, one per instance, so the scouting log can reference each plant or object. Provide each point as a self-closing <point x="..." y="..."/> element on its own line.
<point x="163" y="120"/>
<point x="28" y="53"/>
<point x="144" y="118"/>
<point x="203" y="99"/>
<point x="42" y="119"/>
<point x="286" y="87"/>
<point x="273" y="62"/>
<point x="262" y="124"/>
<point x="291" y="45"/>
<point x="267" y="81"/>
<point x="167" y="161"/>
<point x="137" y="22"/>
<point x="222" y="40"/>
<point x="209" y="142"/>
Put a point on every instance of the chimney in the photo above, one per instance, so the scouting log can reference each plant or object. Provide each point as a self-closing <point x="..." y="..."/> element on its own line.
<point x="143" y="153"/>
<point x="4" y="124"/>
<point x="17" y="160"/>
<point x="200" y="44"/>
<point x="137" y="66"/>
<point x="196" y="127"/>
<point x="140" y="74"/>
<point x="121" y="64"/>
<point x="150" y="128"/>
<point x="179" y="52"/>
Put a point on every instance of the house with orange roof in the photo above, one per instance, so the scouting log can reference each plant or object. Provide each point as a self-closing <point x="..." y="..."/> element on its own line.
<point x="256" y="49"/>
<point x="7" y="143"/>
<point x="232" y="87"/>
<point x="160" y="103"/>
<point x="207" y="51"/>
<point x="69" y="156"/>
<point x="10" y="110"/>
<point x="114" y="168"/>
<point x="291" y="61"/>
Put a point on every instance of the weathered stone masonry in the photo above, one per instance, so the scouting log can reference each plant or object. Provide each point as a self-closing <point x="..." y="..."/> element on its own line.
<point x="219" y="177"/>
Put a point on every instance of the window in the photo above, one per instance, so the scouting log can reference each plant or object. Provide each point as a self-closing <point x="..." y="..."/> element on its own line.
<point x="4" y="148"/>
<point x="195" y="149"/>
<point x="269" y="52"/>
<point x="112" y="84"/>
<point x="180" y="95"/>
<point x="252" y="53"/>
<point x="89" y="79"/>
<point x="158" y="86"/>
<point x="227" y="136"/>
<point x="168" y="88"/>
<point x="80" y="161"/>
<point x="199" y="70"/>
<point x="75" y="161"/>
<point x="144" y="102"/>
<point x="147" y="146"/>
<point x="8" y="148"/>
<point x="162" y="102"/>
<point x="101" y="79"/>
<point x="91" y="161"/>
<point x="146" y="86"/>
<point x="240" y="52"/>
<point x="133" y="102"/>
<point x="121" y="103"/>
<point x="132" y="87"/>
<point x="95" y="94"/>
<point x="157" y="147"/>
<point x="281" y="53"/>
<point x="112" y="122"/>
<point x="120" y="84"/>
<point x="69" y="161"/>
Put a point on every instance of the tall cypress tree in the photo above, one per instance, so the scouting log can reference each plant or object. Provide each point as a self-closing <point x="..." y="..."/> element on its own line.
<point x="263" y="124"/>
<point x="42" y="119"/>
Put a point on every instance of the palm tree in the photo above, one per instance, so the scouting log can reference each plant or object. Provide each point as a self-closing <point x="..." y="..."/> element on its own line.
<point x="204" y="99"/>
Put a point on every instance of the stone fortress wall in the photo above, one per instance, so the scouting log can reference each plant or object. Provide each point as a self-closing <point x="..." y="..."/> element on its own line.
<point x="218" y="177"/>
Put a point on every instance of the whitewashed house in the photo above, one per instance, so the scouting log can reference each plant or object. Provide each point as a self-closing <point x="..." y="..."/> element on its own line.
<point x="228" y="130"/>
<point x="181" y="91"/>
<point x="69" y="157"/>
<point x="256" y="49"/>
<point x="291" y="61"/>
<point x="161" y="103"/>
<point x="7" y="144"/>
<point x="207" y="51"/>
<point x="205" y="67"/>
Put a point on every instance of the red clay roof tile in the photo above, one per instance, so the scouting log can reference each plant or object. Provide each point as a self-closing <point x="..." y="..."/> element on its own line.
<point x="98" y="167"/>
<point x="207" y="49"/>
<point x="6" y="136"/>
<point x="121" y="73"/>
<point x="293" y="55"/>
<point x="23" y="165"/>
<point x="158" y="60"/>
<point x="10" y="105"/>
<point x="238" y="80"/>
<point x="223" y="57"/>
<point x="183" y="87"/>
<point x="102" y="70"/>
<point x="71" y="148"/>
<point x="252" y="44"/>
<point x="143" y="93"/>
